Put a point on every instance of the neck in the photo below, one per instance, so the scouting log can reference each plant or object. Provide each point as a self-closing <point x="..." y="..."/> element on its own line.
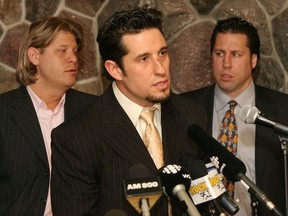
<point x="51" y="97"/>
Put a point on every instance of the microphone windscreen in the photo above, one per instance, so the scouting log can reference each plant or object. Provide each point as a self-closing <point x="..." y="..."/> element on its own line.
<point x="140" y="185"/>
<point x="115" y="212"/>
<point x="233" y="166"/>
<point x="138" y="171"/>
<point x="173" y="175"/>
<point x="196" y="167"/>
<point x="248" y="114"/>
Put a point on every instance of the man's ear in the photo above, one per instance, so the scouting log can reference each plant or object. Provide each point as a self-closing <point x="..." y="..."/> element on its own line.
<point x="254" y="60"/>
<point x="33" y="55"/>
<point x="113" y="69"/>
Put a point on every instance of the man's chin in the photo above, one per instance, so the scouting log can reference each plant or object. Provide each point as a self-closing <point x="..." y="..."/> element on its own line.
<point x="158" y="99"/>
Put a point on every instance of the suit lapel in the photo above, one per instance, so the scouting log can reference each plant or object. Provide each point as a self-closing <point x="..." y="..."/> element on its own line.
<point x="206" y="97"/>
<point x="72" y="104"/>
<point x="262" y="134"/>
<point x="171" y="120"/>
<point x="120" y="133"/>
<point x="24" y="115"/>
<point x="208" y="101"/>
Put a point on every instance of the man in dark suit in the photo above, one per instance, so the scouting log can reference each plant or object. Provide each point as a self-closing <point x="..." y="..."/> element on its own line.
<point x="92" y="153"/>
<point x="47" y="68"/>
<point x="235" y="50"/>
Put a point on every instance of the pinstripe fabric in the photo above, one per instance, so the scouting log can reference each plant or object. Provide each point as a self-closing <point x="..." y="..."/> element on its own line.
<point x="92" y="154"/>
<point x="268" y="155"/>
<point x="24" y="171"/>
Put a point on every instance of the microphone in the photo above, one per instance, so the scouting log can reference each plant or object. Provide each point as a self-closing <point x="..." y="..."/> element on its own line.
<point x="207" y="186"/>
<point x="251" y="115"/>
<point x="115" y="212"/>
<point x="232" y="167"/>
<point x="142" y="190"/>
<point x="176" y="183"/>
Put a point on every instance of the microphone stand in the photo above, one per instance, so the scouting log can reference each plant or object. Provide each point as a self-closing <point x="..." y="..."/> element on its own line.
<point x="284" y="147"/>
<point x="254" y="205"/>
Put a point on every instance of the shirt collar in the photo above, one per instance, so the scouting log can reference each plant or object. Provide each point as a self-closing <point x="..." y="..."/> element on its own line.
<point x="38" y="103"/>
<point x="246" y="97"/>
<point x="132" y="109"/>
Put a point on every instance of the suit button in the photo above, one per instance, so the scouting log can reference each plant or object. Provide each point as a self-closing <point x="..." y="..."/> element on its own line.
<point x="44" y="201"/>
<point x="46" y="174"/>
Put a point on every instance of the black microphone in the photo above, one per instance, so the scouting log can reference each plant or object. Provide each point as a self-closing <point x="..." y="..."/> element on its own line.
<point x="232" y="167"/>
<point x="115" y="212"/>
<point x="176" y="183"/>
<point x="142" y="190"/>
<point x="251" y="115"/>
<point x="207" y="186"/>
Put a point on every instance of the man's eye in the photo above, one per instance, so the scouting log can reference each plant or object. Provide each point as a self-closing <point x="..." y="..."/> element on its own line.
<point x="163" y="53"/>
<point x="219" y="54"/>
<point x="144" y="59"/>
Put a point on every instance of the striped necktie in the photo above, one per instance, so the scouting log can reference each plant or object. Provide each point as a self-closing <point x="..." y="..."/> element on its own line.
<point x="152" y="138"/>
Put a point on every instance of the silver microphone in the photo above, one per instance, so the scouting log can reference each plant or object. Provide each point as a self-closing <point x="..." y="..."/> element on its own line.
<point x="251" y="115"/>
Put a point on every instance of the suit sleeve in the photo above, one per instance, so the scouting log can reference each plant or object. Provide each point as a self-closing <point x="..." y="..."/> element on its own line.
<point x="73" y="187"/>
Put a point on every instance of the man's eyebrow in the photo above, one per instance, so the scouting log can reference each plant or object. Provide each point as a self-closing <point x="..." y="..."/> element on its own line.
<point x="142" y="55"/>
<point x="147" y="53"/>
<point x="165" y="47"/>
<point x="229" y="50"/>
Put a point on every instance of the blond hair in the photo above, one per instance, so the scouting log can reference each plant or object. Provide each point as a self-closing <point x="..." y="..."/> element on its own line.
<point x="40" y="34"/>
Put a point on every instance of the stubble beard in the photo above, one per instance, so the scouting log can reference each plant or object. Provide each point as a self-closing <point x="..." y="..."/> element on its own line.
<point x="159" y="99"/>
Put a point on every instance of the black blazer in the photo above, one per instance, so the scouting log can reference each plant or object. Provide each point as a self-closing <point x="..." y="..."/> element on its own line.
<point x="24" y="170"/>
<point x="268" y="154"/>
<point x="92" y="153"/>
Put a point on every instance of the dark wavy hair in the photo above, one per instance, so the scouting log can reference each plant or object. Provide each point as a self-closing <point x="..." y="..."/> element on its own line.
<point x="125" y="22"/>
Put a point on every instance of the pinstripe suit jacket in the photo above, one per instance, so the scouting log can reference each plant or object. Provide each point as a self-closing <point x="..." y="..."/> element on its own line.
<point x="268" y="154"/>
<point x="24" y="170"/>
<point x="92" y="153"/>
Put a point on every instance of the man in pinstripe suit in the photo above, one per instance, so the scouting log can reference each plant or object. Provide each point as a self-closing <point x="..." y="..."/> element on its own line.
<point x="92" y="153"/>
<point x="47" y="68"/>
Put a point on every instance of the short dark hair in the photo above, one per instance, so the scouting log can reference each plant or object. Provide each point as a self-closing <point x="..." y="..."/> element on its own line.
<point x="238" y="25"/>
<point x="125" y="22"/>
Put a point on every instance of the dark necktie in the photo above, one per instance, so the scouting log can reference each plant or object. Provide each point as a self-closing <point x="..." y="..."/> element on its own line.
<point x="228" y="137"/>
